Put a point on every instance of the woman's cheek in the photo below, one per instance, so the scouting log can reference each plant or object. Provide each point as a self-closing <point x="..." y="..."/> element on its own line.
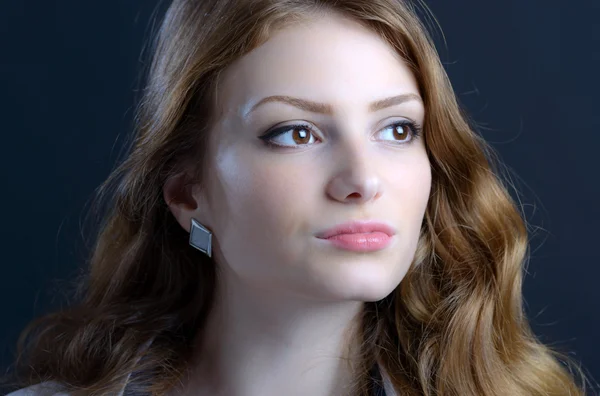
<point x="279" y="197"/>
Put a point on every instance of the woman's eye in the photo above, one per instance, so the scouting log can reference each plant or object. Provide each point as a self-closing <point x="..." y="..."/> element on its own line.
<point x="290" y="135"/>
<point x="402" y="132"/>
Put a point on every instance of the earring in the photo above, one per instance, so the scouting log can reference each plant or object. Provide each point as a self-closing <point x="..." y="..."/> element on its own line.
<point x="200" y="237"/>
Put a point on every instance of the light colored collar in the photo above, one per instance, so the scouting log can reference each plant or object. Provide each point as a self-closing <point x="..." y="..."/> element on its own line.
<point x="387" y="383"/>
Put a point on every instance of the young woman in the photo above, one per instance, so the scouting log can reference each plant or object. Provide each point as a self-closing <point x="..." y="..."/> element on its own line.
<point x="305" y="211"/>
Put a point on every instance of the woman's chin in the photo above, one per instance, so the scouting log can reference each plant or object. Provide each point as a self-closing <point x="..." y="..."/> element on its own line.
<point x="357" y="284"/>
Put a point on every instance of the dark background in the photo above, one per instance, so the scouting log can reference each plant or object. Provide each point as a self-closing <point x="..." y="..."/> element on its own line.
<point x="527" y="72"/>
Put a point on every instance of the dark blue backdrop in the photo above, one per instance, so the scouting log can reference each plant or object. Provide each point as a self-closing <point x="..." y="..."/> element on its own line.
<point x="527" y="71"/>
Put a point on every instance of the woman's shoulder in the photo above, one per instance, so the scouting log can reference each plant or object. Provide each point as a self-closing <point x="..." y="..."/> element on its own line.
<point x="48" y="388"/>
<point x="54" y="388"/>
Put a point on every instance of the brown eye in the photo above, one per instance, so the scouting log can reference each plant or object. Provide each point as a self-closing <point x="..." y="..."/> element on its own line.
<point x="290" y="136"/>
<point x="300" y="135"/>
<point x="403" y="132"/>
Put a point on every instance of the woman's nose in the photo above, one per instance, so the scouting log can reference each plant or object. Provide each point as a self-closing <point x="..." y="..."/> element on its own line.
<point x="355" y="178"/>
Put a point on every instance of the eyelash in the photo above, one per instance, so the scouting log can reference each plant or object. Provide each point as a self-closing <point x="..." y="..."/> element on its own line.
<point x="413" y="126"/>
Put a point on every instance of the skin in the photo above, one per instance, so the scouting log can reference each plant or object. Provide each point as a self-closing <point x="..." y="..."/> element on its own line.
<point x="285" y="299"/>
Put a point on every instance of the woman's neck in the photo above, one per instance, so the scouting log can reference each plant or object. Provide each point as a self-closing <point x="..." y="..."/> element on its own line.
<point x="259" y="343"/>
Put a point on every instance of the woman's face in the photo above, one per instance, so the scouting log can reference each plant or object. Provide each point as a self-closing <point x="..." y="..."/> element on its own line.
<point x="267" y="204"/>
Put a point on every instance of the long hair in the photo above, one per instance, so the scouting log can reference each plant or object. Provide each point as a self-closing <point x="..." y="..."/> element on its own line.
<point x="455" y="325"/>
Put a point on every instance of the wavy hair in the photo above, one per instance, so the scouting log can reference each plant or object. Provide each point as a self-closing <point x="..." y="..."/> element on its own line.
<point x="455" y="325"/>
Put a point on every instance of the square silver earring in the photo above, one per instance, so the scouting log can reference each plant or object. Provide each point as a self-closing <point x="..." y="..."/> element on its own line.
<point x="200" y="238"/>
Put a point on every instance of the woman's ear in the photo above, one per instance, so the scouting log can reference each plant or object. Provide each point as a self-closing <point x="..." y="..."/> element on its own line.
<point x="185" y="201"/>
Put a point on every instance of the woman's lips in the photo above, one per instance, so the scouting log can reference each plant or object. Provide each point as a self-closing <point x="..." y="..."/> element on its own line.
<point x="360" y="242"/>
<point x="358" y="227"/>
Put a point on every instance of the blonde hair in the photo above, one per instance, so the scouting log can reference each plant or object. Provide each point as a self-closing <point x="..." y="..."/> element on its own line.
<point x="454" y="326"/>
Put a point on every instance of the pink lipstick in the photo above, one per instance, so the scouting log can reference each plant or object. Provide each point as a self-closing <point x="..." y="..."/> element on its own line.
<point x="365" y="236"/>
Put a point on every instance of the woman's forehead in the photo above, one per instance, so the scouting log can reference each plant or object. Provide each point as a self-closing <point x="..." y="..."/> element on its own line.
<point x="335" y="63"/>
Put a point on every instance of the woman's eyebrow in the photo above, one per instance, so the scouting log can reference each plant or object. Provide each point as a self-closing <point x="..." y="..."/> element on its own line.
<point x="323" y="108"/>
